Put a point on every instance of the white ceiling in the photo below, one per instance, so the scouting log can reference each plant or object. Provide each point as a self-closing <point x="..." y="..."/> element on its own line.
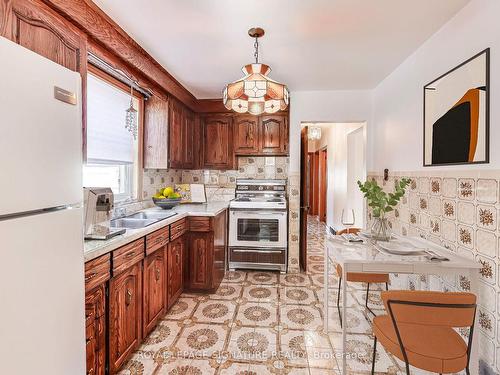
<point x="309" y="44"/>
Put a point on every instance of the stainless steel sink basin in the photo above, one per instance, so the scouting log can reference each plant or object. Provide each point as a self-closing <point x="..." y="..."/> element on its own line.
<point x="131" y="223"/>
<point x="157" y="215"/>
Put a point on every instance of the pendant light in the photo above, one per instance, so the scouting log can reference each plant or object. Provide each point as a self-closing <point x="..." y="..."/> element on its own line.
<point x="256" y="93"/>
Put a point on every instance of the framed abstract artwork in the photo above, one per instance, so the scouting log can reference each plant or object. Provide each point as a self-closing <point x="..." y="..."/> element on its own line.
<point x="456" y="114"/>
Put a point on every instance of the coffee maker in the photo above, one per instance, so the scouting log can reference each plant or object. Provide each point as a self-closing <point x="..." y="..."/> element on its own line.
<point x="98" y="208"/>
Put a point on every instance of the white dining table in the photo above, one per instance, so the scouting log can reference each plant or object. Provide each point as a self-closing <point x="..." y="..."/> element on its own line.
<point x="370" y="258"/>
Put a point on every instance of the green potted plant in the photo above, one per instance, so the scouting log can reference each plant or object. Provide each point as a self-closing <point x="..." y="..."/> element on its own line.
<point x="381" y="203"/>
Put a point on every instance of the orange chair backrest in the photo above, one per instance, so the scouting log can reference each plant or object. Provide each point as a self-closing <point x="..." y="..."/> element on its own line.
<point x="449" y="316"/>
<point x="350" y="230"/>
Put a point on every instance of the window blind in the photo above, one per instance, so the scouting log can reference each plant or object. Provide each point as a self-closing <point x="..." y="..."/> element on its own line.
<point x="108" y="142"/>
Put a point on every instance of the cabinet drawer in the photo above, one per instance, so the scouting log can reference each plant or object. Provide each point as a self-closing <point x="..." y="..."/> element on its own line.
<point x="178" y="228"/>
<point x="127" y="256"/>
<point x="200" y="224"/>
<point x="97" y="272"/>
<point x="258" y="256"/>
<point x="157" y="239"/>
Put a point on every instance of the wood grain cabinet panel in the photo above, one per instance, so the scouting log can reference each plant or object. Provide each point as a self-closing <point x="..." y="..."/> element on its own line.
<point x="125" y="311"/>
<point x="175" y="270"/>
<point x="188" y="139"/>
<point x="95" y="322"/>
<point x="156" y="133"/>
<point x="246" y="135"/>
<point x="274" y="135"/>
<point x="155" y="289"/>
<point x="200" y="246"/>
<point x="218" y="142"/>
<point x="175" y="136"/>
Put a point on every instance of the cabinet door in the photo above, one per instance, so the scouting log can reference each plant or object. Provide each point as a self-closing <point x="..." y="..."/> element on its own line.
<point x="188" y="139"/>
<point x="200" y="260"/>
<point x="220" y="248"/>
<point x="42" y="31"/>
<point x="218" y="143"/>
<point x="95" y="321"/>
<point x="175" y="266"/>
<point x="246" y="135"/>
<point x="156" y="133"/>
<point x="175" y="135"/>
<point x="125" y="305"/>
<point x="154" y="294"/>
<point x="274" y="135"/>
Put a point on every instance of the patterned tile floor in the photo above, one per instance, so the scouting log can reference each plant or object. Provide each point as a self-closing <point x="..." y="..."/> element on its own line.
<point x="261" y="323"/>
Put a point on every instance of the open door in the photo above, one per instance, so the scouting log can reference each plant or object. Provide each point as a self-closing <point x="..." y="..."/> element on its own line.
<point x="304" y="198"/>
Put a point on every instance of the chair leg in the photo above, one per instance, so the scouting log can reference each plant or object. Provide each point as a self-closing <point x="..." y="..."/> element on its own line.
<point x="467" y="371"/>
<point x="374" y="354"/>
<point x="338" y="302"/>
<point x="386" y="286"/>
<point x="407" y="368"/>
<point x="366" y="300"/>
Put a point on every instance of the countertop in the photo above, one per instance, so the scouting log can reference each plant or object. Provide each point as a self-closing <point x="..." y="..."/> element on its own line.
<point x="95" y="248"/>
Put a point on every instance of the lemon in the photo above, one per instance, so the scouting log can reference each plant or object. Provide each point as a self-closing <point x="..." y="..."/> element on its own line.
<point x="167" y="191"/>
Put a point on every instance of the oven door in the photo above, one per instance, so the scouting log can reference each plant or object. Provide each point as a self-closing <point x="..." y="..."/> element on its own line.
<point x="258" y="228"/>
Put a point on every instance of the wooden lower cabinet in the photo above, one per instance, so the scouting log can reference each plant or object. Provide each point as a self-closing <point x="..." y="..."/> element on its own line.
<point x="125" y="312"/>
<point x="95" y="329"/>
<point x="200" y="260"/>
<point x="155" y="289"/>
<point x="175" y="269"/>
<point x="207" y="248"/>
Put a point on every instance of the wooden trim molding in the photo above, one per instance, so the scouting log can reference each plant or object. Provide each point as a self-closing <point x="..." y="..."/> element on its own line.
<point x="102" y="30"/>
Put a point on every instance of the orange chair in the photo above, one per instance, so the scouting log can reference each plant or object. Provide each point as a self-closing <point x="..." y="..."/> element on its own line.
<point x="359" y="277"/>
<point x="418" y="329"/>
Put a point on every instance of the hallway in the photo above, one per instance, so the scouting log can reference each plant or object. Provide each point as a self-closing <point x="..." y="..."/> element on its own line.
<point x="262" y="323"/>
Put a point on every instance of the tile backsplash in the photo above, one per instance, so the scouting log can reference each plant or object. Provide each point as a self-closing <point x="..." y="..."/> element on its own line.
<point x="459" y="210"/>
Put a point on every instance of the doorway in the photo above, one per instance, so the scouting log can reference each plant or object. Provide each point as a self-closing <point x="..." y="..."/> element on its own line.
<point x="323" y="183"/>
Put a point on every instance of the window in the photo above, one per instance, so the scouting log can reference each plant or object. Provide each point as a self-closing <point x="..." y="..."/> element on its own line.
<point x="112" y="151"/>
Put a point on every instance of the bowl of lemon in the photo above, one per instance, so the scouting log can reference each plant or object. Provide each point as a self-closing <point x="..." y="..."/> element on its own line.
<point x="167" y="198"/>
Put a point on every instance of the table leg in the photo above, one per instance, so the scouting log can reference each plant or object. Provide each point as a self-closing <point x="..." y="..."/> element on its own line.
<point x="474" y="355"/>
<point x="344" y="320"/>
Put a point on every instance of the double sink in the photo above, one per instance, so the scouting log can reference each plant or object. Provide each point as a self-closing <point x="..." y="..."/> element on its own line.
<point x="141" y="219"/>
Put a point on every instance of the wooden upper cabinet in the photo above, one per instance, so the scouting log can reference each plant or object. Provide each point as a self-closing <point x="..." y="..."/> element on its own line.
<point x="42" y="31"/>
<point x="246" y="135"/>
<point x="156" y="133"/>
<point x="188" y="139"/>
<point x="274" y="135"/>
<point x="218" y="142"/>
<point x="175" y="136"/>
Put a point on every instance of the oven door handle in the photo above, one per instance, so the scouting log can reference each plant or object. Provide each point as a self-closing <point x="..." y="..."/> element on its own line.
<point x="258" y="251"/>
<point x="259" y="213"/>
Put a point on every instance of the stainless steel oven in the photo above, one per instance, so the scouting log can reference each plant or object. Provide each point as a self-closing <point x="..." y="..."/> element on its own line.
<point x="258" y="228"/>
<point x="258" y="225"/>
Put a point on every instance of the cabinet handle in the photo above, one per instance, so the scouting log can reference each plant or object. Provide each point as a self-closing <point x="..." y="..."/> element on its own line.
<point x="90" y="339"/>
<point x="91" y="276"/>
<point x="128" y="297"/>
<point x="130" y="254"/>
<point x="89" y="315"/>
<point x="157" y="276"/>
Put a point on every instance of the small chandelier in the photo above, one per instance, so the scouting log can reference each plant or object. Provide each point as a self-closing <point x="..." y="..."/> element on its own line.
<point x="314" y="133"/>
<point x="256" y="93"/>
<point x="131" y="115"/>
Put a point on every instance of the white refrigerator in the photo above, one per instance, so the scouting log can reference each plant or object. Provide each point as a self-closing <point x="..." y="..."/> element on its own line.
<point x="42" y="308"/>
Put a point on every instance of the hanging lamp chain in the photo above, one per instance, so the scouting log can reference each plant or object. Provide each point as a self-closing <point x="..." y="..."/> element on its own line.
<point x="256" y="53"/>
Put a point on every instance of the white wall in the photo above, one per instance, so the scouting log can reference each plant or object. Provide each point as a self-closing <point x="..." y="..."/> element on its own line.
<point x="396" y="137"/>
<point x="341" y="190"/>
<point x="324" y="106"/>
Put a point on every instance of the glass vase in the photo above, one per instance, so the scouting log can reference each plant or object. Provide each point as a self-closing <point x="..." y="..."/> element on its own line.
<point x="380" y="230"/>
